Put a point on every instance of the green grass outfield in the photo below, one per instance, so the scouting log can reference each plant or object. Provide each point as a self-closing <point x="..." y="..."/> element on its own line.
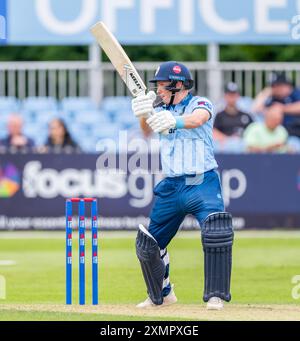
<point x="264" y="264"/>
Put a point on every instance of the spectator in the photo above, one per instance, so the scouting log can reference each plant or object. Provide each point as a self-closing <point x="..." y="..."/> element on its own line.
<point x="59" y="138"/>
<point x="267" y="136"/>
<point x="231" y="122"/>
<point x="283" y="92"/>
<point x="16" y="141"/>
<point x="258" y="104"/>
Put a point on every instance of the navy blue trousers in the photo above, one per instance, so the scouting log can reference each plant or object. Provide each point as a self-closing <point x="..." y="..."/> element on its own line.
<point x="177" y="197"/>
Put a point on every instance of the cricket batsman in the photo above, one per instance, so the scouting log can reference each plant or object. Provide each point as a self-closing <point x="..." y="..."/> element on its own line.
<point x="191" y="186"/>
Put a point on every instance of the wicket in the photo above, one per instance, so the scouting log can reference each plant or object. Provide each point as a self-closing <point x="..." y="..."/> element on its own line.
<point x="81" y="230"/>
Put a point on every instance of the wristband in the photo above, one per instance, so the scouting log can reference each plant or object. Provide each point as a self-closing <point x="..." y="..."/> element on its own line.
<point x="179" y="122"/>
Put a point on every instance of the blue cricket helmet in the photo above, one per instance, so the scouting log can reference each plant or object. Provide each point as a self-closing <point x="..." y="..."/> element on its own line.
<point x="173" y="72"/>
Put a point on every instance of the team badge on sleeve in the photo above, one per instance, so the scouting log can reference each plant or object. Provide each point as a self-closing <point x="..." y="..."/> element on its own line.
<point x="206" y="105"/>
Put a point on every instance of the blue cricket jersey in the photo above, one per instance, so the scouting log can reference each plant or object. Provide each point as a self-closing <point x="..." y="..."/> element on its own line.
<point x="188" y="151"/>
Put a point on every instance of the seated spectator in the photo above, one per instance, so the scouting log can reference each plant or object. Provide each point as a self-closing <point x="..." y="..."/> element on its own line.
<point x="267" y="136"/>
<point x="231" y="122"/>
<point x="59" y="138"/>
<point x="283" y="92"/>
<point x="16" y="141"/>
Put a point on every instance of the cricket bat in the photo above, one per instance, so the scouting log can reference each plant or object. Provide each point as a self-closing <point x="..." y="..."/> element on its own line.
<point x="120" y="60"/>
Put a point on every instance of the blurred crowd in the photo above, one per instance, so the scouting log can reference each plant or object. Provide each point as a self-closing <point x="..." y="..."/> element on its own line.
<point x="59" y="138"/>
<point x="269" y="123"/>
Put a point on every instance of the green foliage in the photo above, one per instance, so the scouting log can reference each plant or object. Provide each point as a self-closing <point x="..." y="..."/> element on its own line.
<point x="167" y="52"/>
<point x="258" y="53"/>
<point x="43" y="53"/>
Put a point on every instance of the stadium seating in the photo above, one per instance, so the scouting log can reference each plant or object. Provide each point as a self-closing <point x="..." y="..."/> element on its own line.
<point x="232" y="146"/>
<point x="90" y="117"/>
<point x="89" y="124"/>
<point x="78" y="103"/>
<point x="293" y="144"/>
<point x="112" y="105"/>
<point x="2" y="129"/>
<point x="39" y="103"/>
<point x="37" y="132"/>
<point x="33" y="107"/>
<point x="9" y="104"/>
<point x="85" y="121"/>
<point x="244" y="104"/>
<point x="125" y="119"/>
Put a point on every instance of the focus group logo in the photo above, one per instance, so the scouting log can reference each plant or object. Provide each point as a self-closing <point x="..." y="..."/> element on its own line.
<point x="9" y="180"/>
<point x="2" y="22"/>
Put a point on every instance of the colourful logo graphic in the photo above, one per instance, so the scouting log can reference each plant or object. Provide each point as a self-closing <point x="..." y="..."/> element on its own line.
<point x="9" y="180"/>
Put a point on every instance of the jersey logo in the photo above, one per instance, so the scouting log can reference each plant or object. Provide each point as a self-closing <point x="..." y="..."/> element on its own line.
<point x="205" y="104"/>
